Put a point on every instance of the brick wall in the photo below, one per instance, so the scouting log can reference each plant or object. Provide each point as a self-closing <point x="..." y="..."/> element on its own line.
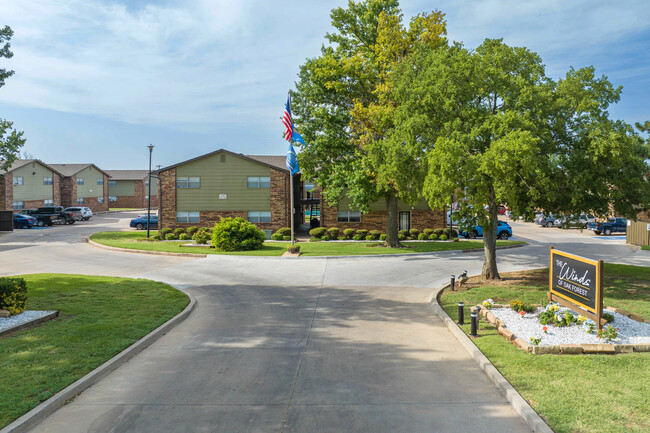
<point x="376" y="220"/>
<point x="167" y="208"/>
<point x="280" y="201"/>
<point x="69" y="191"/>
<point x="56" y="189"/>
<point x="7" y="192"/>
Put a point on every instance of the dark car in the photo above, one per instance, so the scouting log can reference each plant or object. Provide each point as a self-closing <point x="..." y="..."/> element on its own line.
<point x="49" y="215"/>
<point x="23" y="221"/>
<point x="607" y="228"/>
<point x="504" y="231"/>
<point x="140" y="222"/>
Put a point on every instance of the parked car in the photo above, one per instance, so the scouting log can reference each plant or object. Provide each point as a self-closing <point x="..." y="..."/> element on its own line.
<point x="24" y="221"/>
<point x="545" y="220"/>
<point x="611" y="226"/>
<point x="49" y="215"/>
<point x="580" y="221"/>
<point x="140" y="222"/>
<point x="81" y="213"/>
<point x="504" y="231"/>
<point x="501" y="209"/>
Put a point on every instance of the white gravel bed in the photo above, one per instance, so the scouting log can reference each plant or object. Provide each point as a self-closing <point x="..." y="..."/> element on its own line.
<point x="19" y="319"/>
<point x="629" y="331"/>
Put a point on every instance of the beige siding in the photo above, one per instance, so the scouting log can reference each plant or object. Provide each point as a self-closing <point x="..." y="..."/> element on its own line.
<point x="32" y="187"/>
<point x="380" y="205"/>
<point x="227" y="178"/>
<point x="90" y="188"/>
<point x="123" y="188"/>
<point x="154" y="186"/>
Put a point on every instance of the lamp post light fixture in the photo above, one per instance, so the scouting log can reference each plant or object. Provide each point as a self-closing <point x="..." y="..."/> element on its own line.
<point x="149" y="196"/>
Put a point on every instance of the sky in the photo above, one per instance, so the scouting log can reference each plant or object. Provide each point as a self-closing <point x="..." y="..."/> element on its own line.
<point x="99" y="80"/>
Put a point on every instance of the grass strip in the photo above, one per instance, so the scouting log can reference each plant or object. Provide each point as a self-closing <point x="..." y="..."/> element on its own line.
<point x="99" y="317"/>
<point x="573" y="393"/>
<point x="137" y="240"/>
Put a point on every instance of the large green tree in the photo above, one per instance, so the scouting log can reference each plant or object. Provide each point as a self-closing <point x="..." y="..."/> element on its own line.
<point x="498" y="130"/>
<point x="10" y="140"/>
<point x="345" y="106"/>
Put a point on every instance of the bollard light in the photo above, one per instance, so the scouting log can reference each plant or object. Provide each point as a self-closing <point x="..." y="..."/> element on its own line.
<point x="453" y="281"/>
<point x="461" y="313"/>
<point x="474" y="323"/>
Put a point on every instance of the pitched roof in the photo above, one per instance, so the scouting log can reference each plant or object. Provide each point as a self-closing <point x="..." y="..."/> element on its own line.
<point x="127" y="174"/>
<point x="268" y="160"/>
<point x="22" y="162"/>
<point x="72" y="169"/>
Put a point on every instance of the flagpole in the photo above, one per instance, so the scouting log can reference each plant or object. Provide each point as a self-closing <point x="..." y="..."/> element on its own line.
<point x="291" y="192"/>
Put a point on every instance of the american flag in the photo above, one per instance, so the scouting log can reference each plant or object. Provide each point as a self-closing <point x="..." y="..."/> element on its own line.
<point x="286" y="120"/>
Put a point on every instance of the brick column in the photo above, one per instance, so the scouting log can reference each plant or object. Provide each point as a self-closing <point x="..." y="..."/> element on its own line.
<point x="167" y="208"/>
<point x="56" y="189"/>
<point x="280" y="199"/>
<point x="69" y="191"/>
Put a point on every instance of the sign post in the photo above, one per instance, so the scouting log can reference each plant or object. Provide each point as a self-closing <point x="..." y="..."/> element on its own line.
<point x="575" y="281"/>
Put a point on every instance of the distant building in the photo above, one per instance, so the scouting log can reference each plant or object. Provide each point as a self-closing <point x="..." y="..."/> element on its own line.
<point x="29" y="183"/>
<point x="130" y="189"/>
<point x="83" y="185"/>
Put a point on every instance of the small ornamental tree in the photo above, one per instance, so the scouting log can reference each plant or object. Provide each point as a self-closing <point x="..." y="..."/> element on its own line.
<point x="236" y="234"/>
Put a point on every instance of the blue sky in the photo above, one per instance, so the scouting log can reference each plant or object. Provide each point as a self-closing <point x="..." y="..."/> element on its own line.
<point x="98" y="80"/>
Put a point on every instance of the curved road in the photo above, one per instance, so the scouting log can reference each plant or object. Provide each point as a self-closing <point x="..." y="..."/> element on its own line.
<point x="293" y="345"/>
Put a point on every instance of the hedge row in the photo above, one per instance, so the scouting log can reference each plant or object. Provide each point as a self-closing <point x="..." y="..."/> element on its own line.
<point x="324" y="234"/>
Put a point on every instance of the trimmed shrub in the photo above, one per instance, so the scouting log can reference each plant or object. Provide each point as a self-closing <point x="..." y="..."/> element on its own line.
<point x="333" y="232"/>
<point x="439" y="231"/>
<point x="348" y="233"/>
<point x="237" y="234"/>
<point x="375" y="234"/>
<point x="170" y="237"/>
<point x="179" y="231"/>
<point x="201" y="237"/>
<point x="157" y="237"/>
<point x="191" y="230"/>
<point x="278" y="237"/>
<point x="454" y="234"/>
<point x="442" y="237"/>
<point x="455" y="239"/>
<point x="13" y="294"/>
<point x="318" y="232"/>
<point x="433" y="237"/>
<point x="315" y="239"/>
<point x="382" y="237"/>
<point x="326" y="238"/>
<point x="164" y="232"/>
<point x="370" y="238"/>
<point x="362" y="232"/>
<point x="342" y="238"/>
<point x="404" y="233"/>
<point x="427" y="232"/>
<point x="284" y="231"/>
<point x="357" y="237"/>
<point x="286" y="238"/>
<point x="414" y="233"/>
<point x="184" y="237"/>
<point x="401" y="236"/>
<point x="423" y="237"/>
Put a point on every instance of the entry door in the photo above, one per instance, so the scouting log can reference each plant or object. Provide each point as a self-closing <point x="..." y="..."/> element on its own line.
<point x="405" y="220"/>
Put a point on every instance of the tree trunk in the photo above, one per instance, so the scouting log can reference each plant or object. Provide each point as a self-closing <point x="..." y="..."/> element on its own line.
<point x="490" y="271"/>
<point x="392" y="240"/>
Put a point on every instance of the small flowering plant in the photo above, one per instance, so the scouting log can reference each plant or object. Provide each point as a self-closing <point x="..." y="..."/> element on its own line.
<point x="545" y="329"/>
<point x="609" y="333"/>
<point x="535" y="341"/>
<point x="523" y="313"/>
<point x="581" y="319"/>
<point x="488" y="303"/>
<point x="552" y="307"/>
<point x="589" y="326"/>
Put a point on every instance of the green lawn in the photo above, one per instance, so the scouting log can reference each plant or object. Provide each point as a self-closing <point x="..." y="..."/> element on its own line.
<point x="99" y="318"/>
<point x="646" y="247"/>
<point x="573" y="393"/>
<point x="137" y="240"/>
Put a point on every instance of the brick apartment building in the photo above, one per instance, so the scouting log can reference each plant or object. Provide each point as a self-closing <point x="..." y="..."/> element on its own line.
<point x="83" y="185"/>
<point x="130" y="188"/>
<point x="29" y="183"/>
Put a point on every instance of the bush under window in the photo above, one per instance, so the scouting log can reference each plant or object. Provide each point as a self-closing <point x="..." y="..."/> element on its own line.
<point x="165" y="231"/>
<point x="318" y="232"/>
<point x="201" y="237"/>
<point x="348" y="233"/>
<point x="333" y="232"/>
<point x="237" y="234"/>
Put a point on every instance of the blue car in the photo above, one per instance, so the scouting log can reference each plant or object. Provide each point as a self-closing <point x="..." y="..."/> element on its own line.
<point x="140" y="222"/>
<point x="23" y="221"/>
<point x="504" y="231"/>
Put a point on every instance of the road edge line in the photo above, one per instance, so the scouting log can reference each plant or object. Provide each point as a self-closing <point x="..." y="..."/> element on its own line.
<point x="525" y="411"/>
<point x="60" y="399"/>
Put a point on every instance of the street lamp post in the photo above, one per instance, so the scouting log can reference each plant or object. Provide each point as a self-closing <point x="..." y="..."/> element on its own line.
<point x="149" y="196"/>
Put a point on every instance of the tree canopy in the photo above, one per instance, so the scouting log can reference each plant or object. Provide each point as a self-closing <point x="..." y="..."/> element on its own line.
<point x="10" y="140"/>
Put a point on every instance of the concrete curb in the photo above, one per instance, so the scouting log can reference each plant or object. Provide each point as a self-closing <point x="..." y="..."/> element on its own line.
<point x="31" y="323"/>
<point x="49" y="406"/>
<point x="155" y="253"/>
<point x="527" y="413"/>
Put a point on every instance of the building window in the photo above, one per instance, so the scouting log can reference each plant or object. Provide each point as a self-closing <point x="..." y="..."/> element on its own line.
<point x="47" y="181"/>
<point x="349" y="216"/>
<point x="80" y="200"/>
<point x="100" y="199"/>
<point x="259" y="216"/>
<point x="188" y="182"/>
<point x="48" y="203"/>
<point x="268" y="233"/>
<point x="80" y="181"/>
<point x="112" y="183"/>
<point x="19" y="205"/>
<point x="187" y="217"/>
<point x="18" y="181"/>
<point x="112" y="198"/>
<point x="100" y="181"/>
<point x="258" y="182"/>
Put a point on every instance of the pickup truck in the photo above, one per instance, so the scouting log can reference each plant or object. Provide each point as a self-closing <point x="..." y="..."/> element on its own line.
<point x="49" y="215"/>
<point x="611" y="226"/>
